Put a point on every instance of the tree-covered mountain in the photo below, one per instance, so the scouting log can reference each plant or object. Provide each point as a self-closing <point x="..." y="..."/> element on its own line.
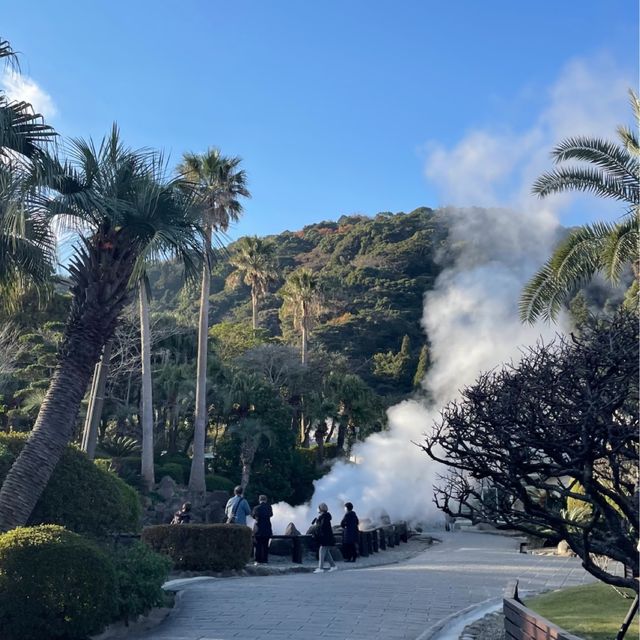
<point x="372" y="272"/>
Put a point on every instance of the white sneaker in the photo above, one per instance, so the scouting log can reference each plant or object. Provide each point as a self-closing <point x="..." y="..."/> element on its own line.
<point x="334" y="568"/>
<point x="319" y="570"/>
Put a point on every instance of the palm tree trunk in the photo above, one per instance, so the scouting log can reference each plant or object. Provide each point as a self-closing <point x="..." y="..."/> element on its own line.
<point x="303" y="348"/>
<point x="196" y="478"/>
<point x="96" y="403"/>
<point x="254" y="309"/>
<point x="99" y="295"/>
<point x="147" y="392"/>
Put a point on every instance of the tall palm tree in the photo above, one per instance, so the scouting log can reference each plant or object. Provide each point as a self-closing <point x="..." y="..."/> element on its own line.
<point x="301" y="293"/>
<point x="613" y="171"/>
<point x="123" y="208"/>
<point x="219" y="184"/>
<point x="252" y="433"/>
<point x="254" y="264"/>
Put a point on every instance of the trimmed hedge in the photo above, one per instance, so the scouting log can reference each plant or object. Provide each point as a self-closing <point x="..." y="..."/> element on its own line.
<point x="54" y="584"/>
<point x="202" y="547"/>
<point x="170" y="469"/>
<point x="80" y="495"/>
<point x="218" y="483"/>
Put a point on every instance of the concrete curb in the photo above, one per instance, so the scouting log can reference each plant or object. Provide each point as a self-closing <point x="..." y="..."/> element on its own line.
<point x="481" y="608"/>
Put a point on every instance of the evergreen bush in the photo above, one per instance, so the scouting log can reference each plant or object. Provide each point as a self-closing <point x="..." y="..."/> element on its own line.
<point x="202" y="547"/>
<point x="218" y="483"/>
<point x="172" y="470"/>
<point x="140" y="574"/>
<point x="80" y="495"/>
<point x="54" y="584"/>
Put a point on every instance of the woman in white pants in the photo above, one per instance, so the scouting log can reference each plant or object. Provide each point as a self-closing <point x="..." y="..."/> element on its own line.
<point x="324" y="537"/>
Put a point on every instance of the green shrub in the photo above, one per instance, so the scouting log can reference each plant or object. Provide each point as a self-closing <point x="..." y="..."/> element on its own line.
<point x="80" y="495"/>
<point x="201" y="547"/>
<point x="53" y="584"/>
<point x="172" y="470"/>
<point x="218" y="483"/>
<point x="140" y="574"/>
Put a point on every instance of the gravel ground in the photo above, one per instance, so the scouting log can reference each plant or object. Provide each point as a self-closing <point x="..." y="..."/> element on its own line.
<point x="491" y="627"/>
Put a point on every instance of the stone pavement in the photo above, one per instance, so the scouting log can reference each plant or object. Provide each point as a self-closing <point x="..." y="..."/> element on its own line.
<point x="392" y="602"/>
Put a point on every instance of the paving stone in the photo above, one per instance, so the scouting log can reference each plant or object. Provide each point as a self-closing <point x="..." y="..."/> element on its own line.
<point x="392" y="602"/>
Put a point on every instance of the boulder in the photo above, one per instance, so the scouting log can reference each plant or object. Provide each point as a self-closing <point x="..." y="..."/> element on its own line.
<point x="291" y="530"/>
<point x="166" y="488"/>
<point x="563" y="549"/>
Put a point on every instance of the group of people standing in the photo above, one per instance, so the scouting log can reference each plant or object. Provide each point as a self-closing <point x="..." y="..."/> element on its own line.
<point x="237" y="510"/>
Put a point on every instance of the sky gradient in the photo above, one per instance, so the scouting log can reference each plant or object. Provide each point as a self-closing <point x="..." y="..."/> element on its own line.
<point x="335" y="107"/>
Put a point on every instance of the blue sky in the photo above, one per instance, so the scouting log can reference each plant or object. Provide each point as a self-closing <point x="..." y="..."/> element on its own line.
<point x="339" y="107"/>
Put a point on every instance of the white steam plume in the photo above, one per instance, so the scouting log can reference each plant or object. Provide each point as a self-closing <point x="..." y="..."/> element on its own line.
<point x="471" y="315"/>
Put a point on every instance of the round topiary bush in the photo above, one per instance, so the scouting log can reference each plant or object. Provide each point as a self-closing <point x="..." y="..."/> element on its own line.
<point x="218" y="483"/>
<point x="54" y="584"/>
<point x="202" y="547"/>
<point x="172" y="470"/>
<point x="79" y="496"/>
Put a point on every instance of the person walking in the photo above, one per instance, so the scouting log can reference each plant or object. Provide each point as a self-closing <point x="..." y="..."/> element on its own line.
<point x="262" y="531"/>
<point x="237" y="508"/>
<point x="350" y="533"/>
<point x="324" y="537"/>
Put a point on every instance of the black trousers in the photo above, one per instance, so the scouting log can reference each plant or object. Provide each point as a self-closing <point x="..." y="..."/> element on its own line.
<point x="349" y="550"/>
<point x="262" y="549"/>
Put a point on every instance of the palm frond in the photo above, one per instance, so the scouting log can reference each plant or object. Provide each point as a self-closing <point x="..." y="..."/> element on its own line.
<point x="586" y="179"/>
<point x="610" y="157"/>
<point x="621" y="248"/>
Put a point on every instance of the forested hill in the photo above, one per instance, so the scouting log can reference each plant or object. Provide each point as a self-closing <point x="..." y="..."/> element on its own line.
<point x="373" y="274"/>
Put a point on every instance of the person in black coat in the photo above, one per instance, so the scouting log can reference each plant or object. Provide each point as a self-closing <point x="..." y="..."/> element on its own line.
<point x="323" y="534"/>
<point x="350" y="533"/>
<point x="262" y="530"/>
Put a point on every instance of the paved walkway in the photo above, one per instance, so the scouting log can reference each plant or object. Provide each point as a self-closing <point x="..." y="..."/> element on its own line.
<point x="393" y="602"/>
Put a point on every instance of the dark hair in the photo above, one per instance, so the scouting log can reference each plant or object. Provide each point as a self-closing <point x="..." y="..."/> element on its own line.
<point x="349" y="506"/>
<point x="238" y="490"/>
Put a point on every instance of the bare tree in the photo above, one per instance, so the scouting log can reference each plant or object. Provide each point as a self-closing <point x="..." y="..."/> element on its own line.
<point x="556" y="438"/>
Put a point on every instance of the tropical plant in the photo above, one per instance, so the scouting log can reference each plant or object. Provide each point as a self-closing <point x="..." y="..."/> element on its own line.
<point x="26" y="242"/>
<point x="219" y="184"/>
<point x="252" y="433"/>
<point x="301" y="293"/>
<point x="613" y="171"/>
<point x="254" y="264"/>
<point x="124" y="210"/>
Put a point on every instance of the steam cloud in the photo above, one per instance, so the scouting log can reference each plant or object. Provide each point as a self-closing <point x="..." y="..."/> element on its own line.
<point x="471" y="315"/>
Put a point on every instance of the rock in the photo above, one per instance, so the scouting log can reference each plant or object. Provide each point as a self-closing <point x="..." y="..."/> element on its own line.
<point x="166" y="488"/>
<point x="291" y="530"/>
<point x="563" y="549"/>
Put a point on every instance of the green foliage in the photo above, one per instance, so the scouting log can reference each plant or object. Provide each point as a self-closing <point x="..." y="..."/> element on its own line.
<point x="140" y="574"/>
<point x="172" y="470"/>
<point x="202" y="547"/>
<point x="232" y="339"/>
<point x="218" y="483"/>
<point x="54" y="584"/>
<point x="80" y="495"/>
<point x="421" y="369"/>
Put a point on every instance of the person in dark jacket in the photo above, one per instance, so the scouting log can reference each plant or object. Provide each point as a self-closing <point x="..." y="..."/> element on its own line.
<point x="350" y="533"/>
<point x="262" y="530"/>
<point x="183" y="516"/>
<point x="324" y="537"/>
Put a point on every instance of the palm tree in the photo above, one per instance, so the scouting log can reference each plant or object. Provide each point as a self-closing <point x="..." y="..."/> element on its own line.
<point x="146" y="393"/>
<point x="27" y="247"/>
<point x="614" y="172"/>
<point x="254" y="263"/>
<point x="219" y="184"/>
<point x="301" y="293"/>
<point x="252" y="433"/>
<point x="124" y="210"/>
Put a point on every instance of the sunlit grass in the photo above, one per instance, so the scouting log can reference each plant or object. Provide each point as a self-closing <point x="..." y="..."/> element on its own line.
<point x="594" y="611"/>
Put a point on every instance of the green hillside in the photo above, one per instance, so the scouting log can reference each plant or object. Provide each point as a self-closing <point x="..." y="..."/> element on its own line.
<point x="373" y="274"/>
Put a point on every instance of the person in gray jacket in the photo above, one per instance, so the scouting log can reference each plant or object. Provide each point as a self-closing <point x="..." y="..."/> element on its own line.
<point x="237" y="508"/>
